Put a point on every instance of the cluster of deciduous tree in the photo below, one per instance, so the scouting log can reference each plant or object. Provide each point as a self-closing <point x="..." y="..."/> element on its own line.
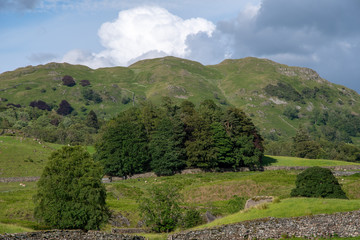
<point x="169" y="138"/>
<point x="306" y="146"/>
<point x="50" y="126"/>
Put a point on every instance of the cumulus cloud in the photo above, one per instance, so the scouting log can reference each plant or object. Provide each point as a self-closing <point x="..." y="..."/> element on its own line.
<point x="322" y="35"/>
<point x="140" y="33"/>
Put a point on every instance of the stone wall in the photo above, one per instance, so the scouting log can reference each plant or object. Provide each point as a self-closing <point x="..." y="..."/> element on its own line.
<point x="69" y="235"/>
<point x="339" y="224"/>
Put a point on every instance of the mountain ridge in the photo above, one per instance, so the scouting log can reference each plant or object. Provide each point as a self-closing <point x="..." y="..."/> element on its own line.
<point x="261" y="87"/>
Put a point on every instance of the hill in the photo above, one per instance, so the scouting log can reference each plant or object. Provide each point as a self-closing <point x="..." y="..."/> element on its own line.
<point x="278" y="97"/>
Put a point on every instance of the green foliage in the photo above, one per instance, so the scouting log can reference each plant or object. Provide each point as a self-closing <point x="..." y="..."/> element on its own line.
<point x="161" y="209"/>
<point x="123" y="148"/>
<point x="170" y="137"/>
<point x="91" y="95"/>
<point x="304" y="147"/>
<point x="284" y="91"/>
<point x="167" y="147"/>
<point x="191" y="218"/>
<point x="91" y="120"/>
<point x="291" y="112"/>
<point x="235" y="204"/>
<point x="223" y="146"/>
<point x="317" y="182"/>
<point x="70" y="192"/>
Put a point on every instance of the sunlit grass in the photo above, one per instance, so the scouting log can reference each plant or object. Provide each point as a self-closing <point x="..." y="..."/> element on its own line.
<point x="291" y="207"/>
<point x="294" y="161"/>
<point x="10" y="228"/>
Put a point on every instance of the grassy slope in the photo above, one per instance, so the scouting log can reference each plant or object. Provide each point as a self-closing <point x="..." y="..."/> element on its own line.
<point x="25" y="157"/>
<point x="292" y="207"/>
<point x="237" y="82"/>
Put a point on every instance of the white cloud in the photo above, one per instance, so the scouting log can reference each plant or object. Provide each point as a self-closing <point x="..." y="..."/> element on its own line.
<point x="139" y="33"/>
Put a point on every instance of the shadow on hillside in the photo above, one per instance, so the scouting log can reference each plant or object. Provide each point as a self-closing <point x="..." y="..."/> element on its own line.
<point x="267" y="161"/>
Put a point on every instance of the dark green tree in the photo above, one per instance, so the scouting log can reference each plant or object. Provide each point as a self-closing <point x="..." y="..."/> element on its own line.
<point x="70" y="193"/>
<point x="200" y="147"/>
<point x="304" y="147"/>
<point x="317" y="182"/>
<point x="247" y="142"/>
<point x="167" y="147"/>
<point x="92" y="120"/>
<point x="123" y="147"/>
<point x="223" y="146"/>
<point x="161" y="209"/>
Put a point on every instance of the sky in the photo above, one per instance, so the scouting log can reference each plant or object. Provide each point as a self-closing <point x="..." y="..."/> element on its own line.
<point x="323" y="35"/>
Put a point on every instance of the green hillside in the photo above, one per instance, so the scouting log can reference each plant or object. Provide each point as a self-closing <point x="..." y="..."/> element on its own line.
<point x="263" y="88"/>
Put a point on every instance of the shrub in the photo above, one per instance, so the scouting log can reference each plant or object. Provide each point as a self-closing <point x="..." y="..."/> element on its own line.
<point x="84" y="83"/>
<point x="235" y="204"/>
<point x="284" y="91"/>
<point x="161" y="210"/>
<point x="68" y="81"/>
<point x="191" y="218"/>
<point x="91" y="95"/>
<point x="317" y="182"/>
<point x="40" y="105"/>
<point x="64" y="108"/>
<point x="70" y="192"/>
<point x="13" y="105"/>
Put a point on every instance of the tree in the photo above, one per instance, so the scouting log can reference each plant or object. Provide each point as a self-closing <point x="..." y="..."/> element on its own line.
<point x="247" y="142"/>
<point x="92" y="120"/>
<point x="123" y="147"/>
<point x="223" y="146"/>
<point x="317" y="182"/>
<point x="70" y="192"/>
<point x="167" y="147"/>
<point x="304" y="147"/>
<point x="161" y="209"/>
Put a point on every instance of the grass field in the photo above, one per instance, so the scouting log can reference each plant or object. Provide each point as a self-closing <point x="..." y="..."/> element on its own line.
<point x="25" y="157"/>
<point x="294" y="161"/>
<point x="291" y="207"/>
<point x="215" y="192"/>
<point x="206" y="191"/>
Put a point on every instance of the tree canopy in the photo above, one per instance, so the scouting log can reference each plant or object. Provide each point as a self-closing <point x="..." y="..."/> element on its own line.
<point x="166" y="139"/>
<point x="70" y="192"/>
<point x="317" y="182"/>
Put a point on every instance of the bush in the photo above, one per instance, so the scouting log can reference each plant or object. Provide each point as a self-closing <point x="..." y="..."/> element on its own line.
<point x="68" y="81"/>
<point x="91" y="95"/>
<point x="64" y="108"/>
<point x="191" y="218"/>
<point x="161" y="210"/>
<point x="84" y="83"/>
<point x="40" y="105"/>
<point x="70" y="192"/>
<point x="317" y="182"/>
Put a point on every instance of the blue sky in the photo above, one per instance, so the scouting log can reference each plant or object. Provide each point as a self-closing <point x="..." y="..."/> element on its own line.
<point x="323" y="35"/>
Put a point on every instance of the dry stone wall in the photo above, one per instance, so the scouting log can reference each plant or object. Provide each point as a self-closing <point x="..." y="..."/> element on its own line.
<point x="69" y="235"/>
<point x="339" y="224"/>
